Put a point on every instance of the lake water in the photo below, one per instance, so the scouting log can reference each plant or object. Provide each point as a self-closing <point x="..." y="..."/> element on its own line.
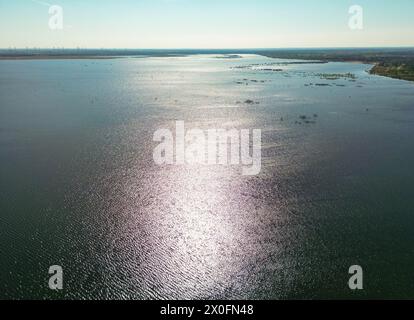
<point x="79" y="187"/>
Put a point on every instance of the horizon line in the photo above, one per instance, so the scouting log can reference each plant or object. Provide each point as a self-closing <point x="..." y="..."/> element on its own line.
<point x="191" y="48"/>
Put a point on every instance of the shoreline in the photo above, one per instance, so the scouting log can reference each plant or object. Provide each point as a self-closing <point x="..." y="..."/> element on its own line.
<point x="387" y="63"/>
<point x="390" y="63"/>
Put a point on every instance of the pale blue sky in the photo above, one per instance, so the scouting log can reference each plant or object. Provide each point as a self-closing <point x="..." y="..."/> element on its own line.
<point x="206" y="23"/>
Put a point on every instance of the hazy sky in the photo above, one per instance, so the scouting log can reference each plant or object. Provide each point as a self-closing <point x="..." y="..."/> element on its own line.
<point x="205" y="23"/>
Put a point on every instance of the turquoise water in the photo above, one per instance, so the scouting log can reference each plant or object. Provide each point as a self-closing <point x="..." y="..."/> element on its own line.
<point x="79" y="188"/>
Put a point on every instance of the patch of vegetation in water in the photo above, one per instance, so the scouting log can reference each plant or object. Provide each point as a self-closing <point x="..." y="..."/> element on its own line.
<point x="304" y="119"/>
<point x="229" y="56"/>
<point x="336" y="76"/>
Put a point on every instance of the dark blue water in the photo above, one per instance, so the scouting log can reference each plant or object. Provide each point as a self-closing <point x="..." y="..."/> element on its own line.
<point x="79" y="187"/>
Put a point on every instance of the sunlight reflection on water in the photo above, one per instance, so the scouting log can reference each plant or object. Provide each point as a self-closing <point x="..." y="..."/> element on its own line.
<point x="126" y="228"/>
